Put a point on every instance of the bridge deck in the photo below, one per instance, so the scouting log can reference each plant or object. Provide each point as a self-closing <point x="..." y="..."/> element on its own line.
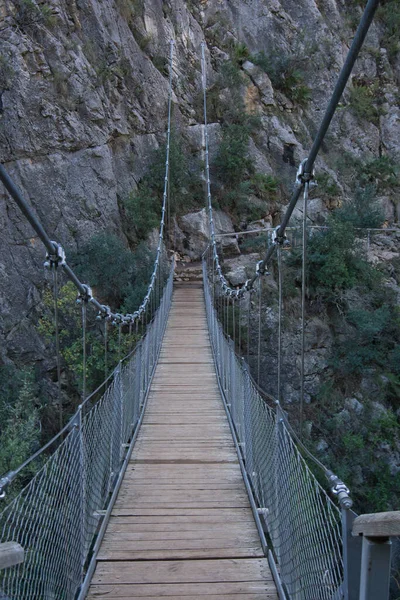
<point x="182" y="525"/>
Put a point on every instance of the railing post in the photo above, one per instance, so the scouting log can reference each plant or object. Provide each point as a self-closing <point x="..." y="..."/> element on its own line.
<point x="82" y="512"/>
<point x="121" y="407"/>
<point x="376" y="531"/>
<point x="351" y="557"/>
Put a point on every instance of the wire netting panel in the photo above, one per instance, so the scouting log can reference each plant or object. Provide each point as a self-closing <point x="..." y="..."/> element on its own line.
<point x="303" y="523"/>
<point x="43" y="518"/>
<point x="56" y="517"/>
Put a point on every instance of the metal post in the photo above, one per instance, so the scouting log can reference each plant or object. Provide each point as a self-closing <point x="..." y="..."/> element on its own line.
<point x="375" y="568"/>
<point x="121" y="408"/>
<point x="351" y="557"/>
<point x="79" y="429"/>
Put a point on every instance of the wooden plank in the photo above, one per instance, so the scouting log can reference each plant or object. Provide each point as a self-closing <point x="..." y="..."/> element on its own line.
<point x="130" y="526"/>
<point x="238" y="590"/>
<point x="183" y="571"/>
<point x="236" y="535"/>
<point x="128" y="592"/>
<point x="167" y="554"/>
<point x="189" y="513"/>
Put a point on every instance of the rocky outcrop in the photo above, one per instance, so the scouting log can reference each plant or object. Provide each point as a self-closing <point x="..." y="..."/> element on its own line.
<point x="83" y="101"/>
<point x="194" y="235"/>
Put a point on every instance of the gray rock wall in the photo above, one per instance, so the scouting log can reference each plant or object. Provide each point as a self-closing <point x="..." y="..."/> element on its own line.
<point x="83" y="102"/>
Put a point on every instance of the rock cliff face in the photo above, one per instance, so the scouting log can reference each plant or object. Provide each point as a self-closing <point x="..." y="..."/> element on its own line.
<point x="83" y="101"/>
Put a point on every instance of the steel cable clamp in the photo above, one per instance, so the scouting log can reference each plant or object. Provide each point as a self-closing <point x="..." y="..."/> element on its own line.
<point x="85" y="296"/>
<point x="278" y="238"/>
<point x="5" y="482"/>
<point x="261" y="268"/>
<point x="57" y="258"/>
<point x="339" y="489"/>
<point x="302" y="177"/>
<point x="104" y="313"/>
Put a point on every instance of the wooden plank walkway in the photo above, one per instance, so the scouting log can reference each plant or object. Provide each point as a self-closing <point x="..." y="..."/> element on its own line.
<point x="182" y="525"/>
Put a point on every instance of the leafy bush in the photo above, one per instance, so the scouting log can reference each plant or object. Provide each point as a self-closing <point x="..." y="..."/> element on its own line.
<point x="264" y="186"/>
<point x="20" y="430"/>
<point x="70" y="331"/>
<point x="363" y="101"/>
<point x="232" y="161"/>
<point x="335" y="263"/>
<point x="363" y="210"/>
<point x="383" y="172"/>
<point x="389" y="14"/>
<point x="371" y="340"/>
<point x="327" y="185"/>
<point x="240" y="53"/>
<point x="29" y="13"/>
<point x="373" y="487"/>
<point x="286" y="75"/>
<point x="143" y="207"/>
<point x="107" y="265"/>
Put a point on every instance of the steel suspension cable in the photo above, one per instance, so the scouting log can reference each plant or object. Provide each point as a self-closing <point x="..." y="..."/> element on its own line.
<point x="259" y="330"/>
<point x="280" y="306"/>
<point x="57" y="340"/>
<point x="303" y="303"/>
<point x="84" y="323"/>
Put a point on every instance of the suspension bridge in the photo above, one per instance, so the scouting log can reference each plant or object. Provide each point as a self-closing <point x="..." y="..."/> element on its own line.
<point x="177" y="477"/>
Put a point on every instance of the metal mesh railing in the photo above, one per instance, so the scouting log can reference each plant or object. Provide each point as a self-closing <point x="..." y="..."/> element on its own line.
<point x="56" y="517"/>
<point x="303" y="523"/>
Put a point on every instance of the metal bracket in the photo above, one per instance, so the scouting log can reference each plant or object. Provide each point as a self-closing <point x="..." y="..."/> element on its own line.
<point x="4" y="483"/>
<point x="86" y="296"/>
<point x="261" y="268"/>
<point x="105" y="313"/>
<point x="57" y="258"/>
<point x="302" y="177"/>
<point x="118" y="319"/>
<point x="339" y="489"/>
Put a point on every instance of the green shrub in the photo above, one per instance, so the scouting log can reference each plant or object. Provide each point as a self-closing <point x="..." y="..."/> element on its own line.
<point x="369" y="341"/>
<point x="327" y="185"/>
<point x="20" y="430"/>
<point x="161" y="64"/>
<point x="107" y="265"/>
<point x="286" y="75"/>
<point x="363" y="101"/>
<point x="334" y="262"/>
<point x="240" y="53"/>
<point x="29" y="13"/>
<point x="264" y="186"/>
<point x="232" y="161"/>
<point x="143" y="209"/>
<point x="389" y="14"/>
<point x="363" y="210"/>
<point x="383" y="172"/>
